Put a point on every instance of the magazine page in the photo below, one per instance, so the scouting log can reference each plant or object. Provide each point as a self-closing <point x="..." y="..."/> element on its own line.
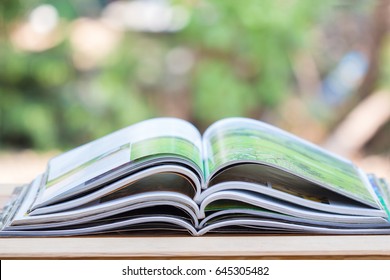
<point x="326" y="201"/>
<point x="249" y="225"/>
<point x="138" y="224"/>
<point x="237" y="197"/>
<point x="252" y="212"/>
<point x="240" y="140"/>
<point x="382" y="190"/>
<point x="141" y="205"/>
<point x="134" y="144"/>
<point x="102" y="213"/>
<point x="285" y="186"/>
<point x="168" y="178"/>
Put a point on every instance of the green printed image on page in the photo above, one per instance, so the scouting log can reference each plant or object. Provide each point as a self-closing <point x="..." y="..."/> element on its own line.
<point x="272" y="147"/>
<point x="166" y="145"/>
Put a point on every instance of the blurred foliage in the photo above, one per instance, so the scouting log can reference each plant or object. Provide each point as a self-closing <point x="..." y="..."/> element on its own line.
<point x="232" y="58"/>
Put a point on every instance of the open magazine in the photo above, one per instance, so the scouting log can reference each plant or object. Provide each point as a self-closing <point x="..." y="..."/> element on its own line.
<point x="242" y="175"/>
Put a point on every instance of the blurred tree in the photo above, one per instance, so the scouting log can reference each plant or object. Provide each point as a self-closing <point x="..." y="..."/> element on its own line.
<point x="376" y="38"/>
<point x="76" y="70"/>
<point x="244" y="53"/>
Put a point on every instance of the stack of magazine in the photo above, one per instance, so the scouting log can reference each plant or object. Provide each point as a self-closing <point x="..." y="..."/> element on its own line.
<point x="241" y="176"/>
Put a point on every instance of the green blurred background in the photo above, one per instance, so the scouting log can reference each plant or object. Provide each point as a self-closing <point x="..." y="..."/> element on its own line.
<point x="72" y="71"/>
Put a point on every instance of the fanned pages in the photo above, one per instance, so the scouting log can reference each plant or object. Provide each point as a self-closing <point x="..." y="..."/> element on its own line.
<point x="242" y="176"/>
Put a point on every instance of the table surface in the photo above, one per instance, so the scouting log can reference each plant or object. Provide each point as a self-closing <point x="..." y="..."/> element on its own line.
<point x="188" y="247"/>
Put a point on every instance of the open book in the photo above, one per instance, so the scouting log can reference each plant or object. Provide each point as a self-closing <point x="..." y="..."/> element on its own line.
<point x="242" y="175"/>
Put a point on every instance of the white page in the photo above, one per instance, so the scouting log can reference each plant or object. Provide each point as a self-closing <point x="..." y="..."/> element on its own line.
<point x="66" y="162"/>
<point x="88" y="161"/>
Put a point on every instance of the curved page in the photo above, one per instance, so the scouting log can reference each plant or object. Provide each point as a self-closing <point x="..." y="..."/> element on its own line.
<point x="152" y="138"/>
<point x="240" y="140"/>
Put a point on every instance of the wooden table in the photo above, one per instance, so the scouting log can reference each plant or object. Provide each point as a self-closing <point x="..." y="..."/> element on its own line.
<point x="187" y="247"/>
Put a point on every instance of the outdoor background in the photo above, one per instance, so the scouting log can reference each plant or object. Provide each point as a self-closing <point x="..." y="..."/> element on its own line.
<point x="72" y="71"/>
